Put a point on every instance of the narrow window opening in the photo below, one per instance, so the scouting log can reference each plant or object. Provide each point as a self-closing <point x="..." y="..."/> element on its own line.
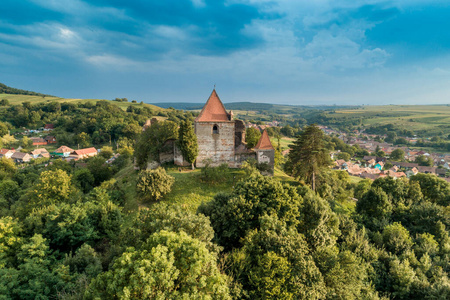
<point x="215" y="129"/>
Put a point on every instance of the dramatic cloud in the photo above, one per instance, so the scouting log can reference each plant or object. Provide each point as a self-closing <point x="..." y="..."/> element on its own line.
<point x="298" y="52"/>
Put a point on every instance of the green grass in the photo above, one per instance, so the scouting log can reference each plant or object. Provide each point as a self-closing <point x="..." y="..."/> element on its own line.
<point x="355" y="179"/>
<point x="284" y="142"/>
<point x="189" y="191"/>
<point x="127" y="179"/>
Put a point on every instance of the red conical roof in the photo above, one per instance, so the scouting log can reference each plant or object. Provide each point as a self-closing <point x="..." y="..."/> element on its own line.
<point x="213" y="111"/>
<point x="264" y="142"/>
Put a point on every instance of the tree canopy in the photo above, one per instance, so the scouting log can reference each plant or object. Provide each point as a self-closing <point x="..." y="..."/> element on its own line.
<point x="308" y="155"/>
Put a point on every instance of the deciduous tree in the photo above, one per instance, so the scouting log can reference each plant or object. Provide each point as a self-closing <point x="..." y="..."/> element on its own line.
<point x="252" y="136"/>
<point x="150" y="143"/>
<point x="169" y="266"/>
<point x="154" y="184"/>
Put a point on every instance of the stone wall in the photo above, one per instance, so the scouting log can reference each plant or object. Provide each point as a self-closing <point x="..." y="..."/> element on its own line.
<point x="166" y="154"/>
<point x="266" y="156"/>
<point x="178" y="157"/>
<point x="219" y="147"/>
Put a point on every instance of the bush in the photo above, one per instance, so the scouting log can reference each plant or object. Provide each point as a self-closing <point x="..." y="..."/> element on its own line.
<point x="106" y="152"/>
<point x="154" y="184"/>
<point x="213" y="174"/>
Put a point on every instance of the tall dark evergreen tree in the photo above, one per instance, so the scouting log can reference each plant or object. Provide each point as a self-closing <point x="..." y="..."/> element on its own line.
<point x="309" y="155"/>
<point x="188" y="142"/>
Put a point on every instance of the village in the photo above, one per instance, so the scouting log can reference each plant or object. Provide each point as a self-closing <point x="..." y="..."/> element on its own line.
<point x="41" y="152"/>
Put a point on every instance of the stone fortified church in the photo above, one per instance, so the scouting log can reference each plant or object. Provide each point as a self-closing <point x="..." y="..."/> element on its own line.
<point x="221" y="139"/>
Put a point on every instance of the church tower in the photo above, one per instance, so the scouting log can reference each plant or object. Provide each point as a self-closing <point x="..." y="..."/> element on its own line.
<point x="215" y="130"/>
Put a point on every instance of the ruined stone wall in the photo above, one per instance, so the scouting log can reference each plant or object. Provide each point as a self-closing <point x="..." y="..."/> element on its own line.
<point x="178" y="157"/>
<point x="166" y="154"/>
<point x="266" y="156"/>
<point x="219" y="147"/>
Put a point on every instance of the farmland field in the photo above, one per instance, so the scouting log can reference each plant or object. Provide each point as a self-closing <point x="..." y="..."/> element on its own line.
<point x="429" y="118"/>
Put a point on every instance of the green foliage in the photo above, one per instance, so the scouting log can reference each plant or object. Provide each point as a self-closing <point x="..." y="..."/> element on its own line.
<point x="10" y="240"/>
<point x="4" y="89"/>
<point x="85" y="261"/>
<point x="8" y="140"/>
<point x="83" y="179"/>
<point x="66" y="226"/>
<point x="375" y="207"/>
<point x="27" y="143"/>
<point x="188" y="142"/>
<point x="426" y="244"/>
<point x="275" y="263"/>
<point x="319" y="223"/>
<point x="7" y="167"/>
<point x="83" y="139"/>
<point x="169" y="266"/>
<point x="252" y="136"/>
<point x="423" y="160"/>
<point x="396" y="238"/>
<point x="162" y="216"/>
<point x="150" y="142"/>
<point x="36" y="277"/>
<point x="213" y="174"/>
<point x="361" y="188"/>
<point x="99" y="169"/>
<point x="3" y="129"/>
<point x="154" y="184"/>
<point x="433" y="188"/>
<point x="106" y="152"/>
<point x="308" y="155"/>
<point x="344" y="155"/>
<point x="52" y="187"/>
<point x="398" y="155"/>
<point x="233" y="215"/>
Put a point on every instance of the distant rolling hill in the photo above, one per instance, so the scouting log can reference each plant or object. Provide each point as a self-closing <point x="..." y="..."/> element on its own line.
<point x="18" y="96"/>
<point x="4" y="89"/>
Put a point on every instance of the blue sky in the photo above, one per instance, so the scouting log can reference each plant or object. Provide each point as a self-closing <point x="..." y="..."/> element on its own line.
<point x="286" y="51"/>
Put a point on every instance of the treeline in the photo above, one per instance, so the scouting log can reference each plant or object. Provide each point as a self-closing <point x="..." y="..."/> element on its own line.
<point x="4" y="89"/>
<point x="86" y="123"/>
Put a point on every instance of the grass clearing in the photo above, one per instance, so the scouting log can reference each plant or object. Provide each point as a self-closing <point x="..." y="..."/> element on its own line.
<point x="190" y="191"/>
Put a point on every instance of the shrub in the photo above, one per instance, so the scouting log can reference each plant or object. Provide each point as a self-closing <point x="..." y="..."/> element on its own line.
<point x="213" y="174"/>
<point x="154" y="184"/>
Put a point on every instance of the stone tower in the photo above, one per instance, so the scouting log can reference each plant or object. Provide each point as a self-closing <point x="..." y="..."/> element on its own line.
<point x="265" y="153"/>
<point x="215" y="130"/>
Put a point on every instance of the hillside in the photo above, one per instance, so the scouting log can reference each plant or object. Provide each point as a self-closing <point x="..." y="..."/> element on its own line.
<point x="423" y="120"/>
<point x="4" y="89"/>
<point x="16" y="99"/>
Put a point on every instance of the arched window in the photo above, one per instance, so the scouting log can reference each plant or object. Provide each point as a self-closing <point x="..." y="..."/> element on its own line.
<point x="215" y="129"/>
